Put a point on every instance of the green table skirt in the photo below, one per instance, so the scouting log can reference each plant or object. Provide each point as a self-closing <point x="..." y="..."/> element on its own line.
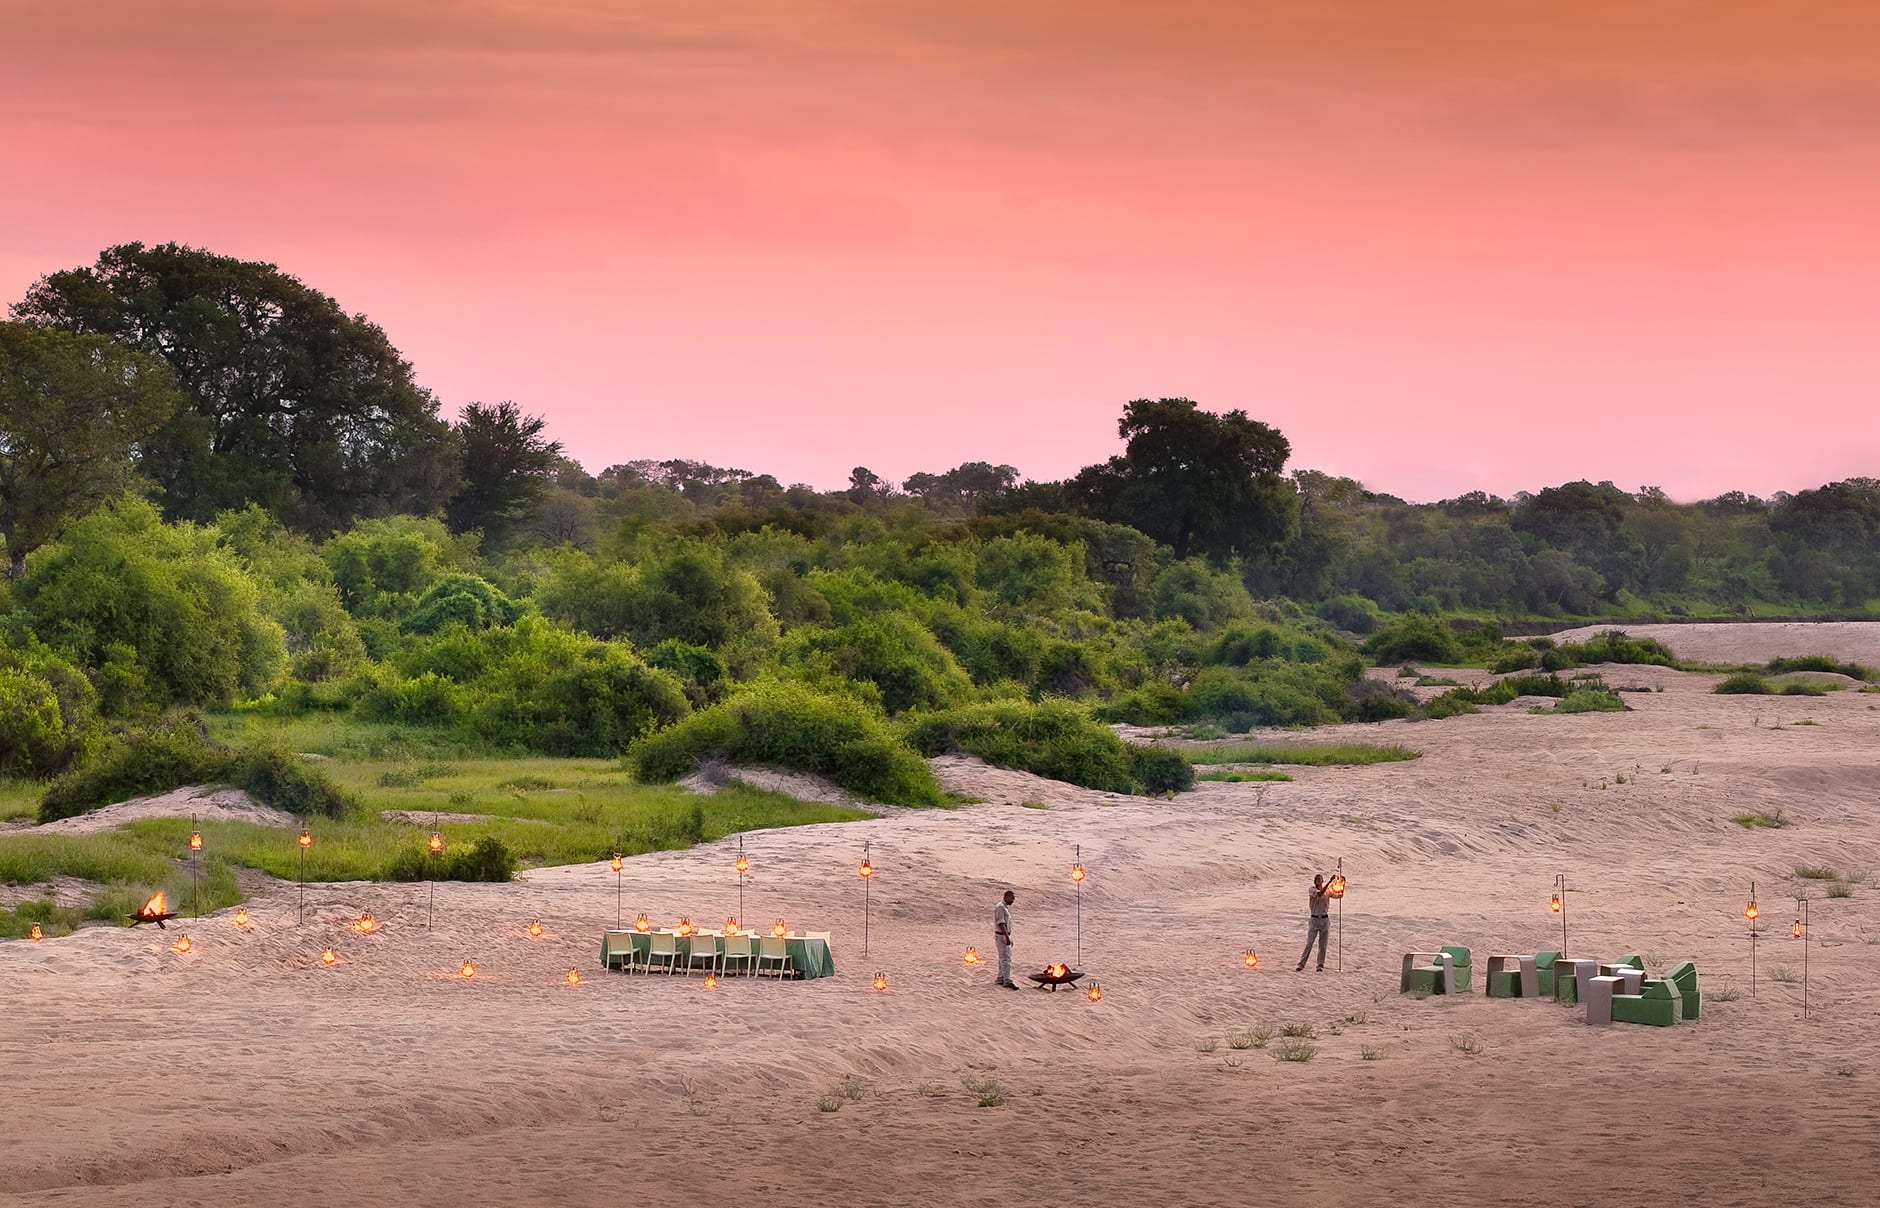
<point x="809" y="955"/>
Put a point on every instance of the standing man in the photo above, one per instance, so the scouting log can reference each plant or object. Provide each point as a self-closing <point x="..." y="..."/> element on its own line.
<point x="1320" y="926"/>
<point x="1002" y="938"/>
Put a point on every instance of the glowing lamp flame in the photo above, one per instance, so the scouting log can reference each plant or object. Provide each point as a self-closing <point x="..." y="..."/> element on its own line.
<point x="1251" y="960"/>
<point x="574" y="977"/>
<point x="1077" y="872"/>
<point x="306" y="838"/>
<point x="1796" y="930"/>
<point x="329" y="957"/>
<point x="1554" y="905"/>
<point x="1094" y="993"/>
<point x="241" y="918"/>
<point x="365" y="923"/>
<point x="711" y="981"/>
<point x="778" y="929"/>
<point x="468" y="970"/>
<point x="36" y="934"/>
<point x="153" y="907"/>
<point x="1058" y="969"/>
<point x="1336" y="886"/>
<point x="1750" y="912"/>
<point x="744" y="865"/>
<point x="971" y="957"/>
<point x="535" y="927"/>
<point x="616" y="863"/>
<point x="731" y="926"/>
<point x="865" y="871"/>
<point x="642" y="924"/>
<point x="195" y="840"/>
<point x="685" y="927"/>
<point x="880" y="982"/>
<point x="182" y="944"/>
<point x="437" y="843"/>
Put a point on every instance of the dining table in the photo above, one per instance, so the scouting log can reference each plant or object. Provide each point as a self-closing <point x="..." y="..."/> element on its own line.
<point x="808" y="951"/>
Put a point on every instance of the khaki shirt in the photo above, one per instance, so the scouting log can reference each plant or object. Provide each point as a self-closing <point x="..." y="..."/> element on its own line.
<point x="1319" y="903"/>
<point x="1002" y="921"/>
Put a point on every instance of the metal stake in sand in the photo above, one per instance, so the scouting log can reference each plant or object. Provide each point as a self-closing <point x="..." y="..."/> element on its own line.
<point x="305" y="841"/>
<point x="433" y="850"/>
<point x="1800" y="932"/>
<point x="743" y="866"/>
<point x="616" y="864"/>
<point x="1337" y="890"/>
<point x="1559" y="907"/>
<point x="1077" y="879"/>
<point x="1750" y="914"/>
<point x="866" y="872"/>
<point x="195" y="878"/>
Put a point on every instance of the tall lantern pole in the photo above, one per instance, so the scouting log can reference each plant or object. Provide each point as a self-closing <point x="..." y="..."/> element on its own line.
<point x="743" y="867"/>
<point x="305" y="840"/>
<point x="1559" y="906"/>
<point x="1750" y="913"/>
<point x="195" y="877"/>
<point x="1077" y="879"/>
<point x="866" y="871"/>
<point x="1337" y="890"/>
<point x="617" y="864"/>
<point x="434" y="849"/>
<point x="1800" y="932"/>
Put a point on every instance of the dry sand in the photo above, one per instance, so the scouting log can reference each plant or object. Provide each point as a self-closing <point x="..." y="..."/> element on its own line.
<point x="244" y="1073"/>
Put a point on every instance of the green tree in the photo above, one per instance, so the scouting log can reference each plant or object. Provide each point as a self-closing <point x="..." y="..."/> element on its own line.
<point x="1198" y="482"/>
<point x="72" y="411"/>
<point x="507" y="464"/>
<point x="293" y="403"/>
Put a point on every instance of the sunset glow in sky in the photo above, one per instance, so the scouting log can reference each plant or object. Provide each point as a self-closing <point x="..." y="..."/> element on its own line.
<point x="1443" y="246"/>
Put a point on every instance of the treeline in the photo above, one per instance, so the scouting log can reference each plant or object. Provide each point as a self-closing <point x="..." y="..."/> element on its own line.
<point x="220" y="490"/>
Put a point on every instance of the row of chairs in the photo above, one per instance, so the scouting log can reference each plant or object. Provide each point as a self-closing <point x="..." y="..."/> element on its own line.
<point x="717" y="953"/>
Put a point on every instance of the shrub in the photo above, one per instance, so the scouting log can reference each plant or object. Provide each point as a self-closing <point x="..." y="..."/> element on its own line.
<point x="1414" y="638"/>
<point x="1353" y="613"/>
<point x="177" y="752"/>
<point x="459" y="599"/>
<point x="1054" y="739"/>
<point x="1803" y="688"/>
<point x="1375" y="700"/>
<point x="1589" y="700"/>
<point x="791" y="726"/>
<point x="1744" y="684"/>
<point x="488" y="859"/>
<point x="1820" y="662"/>
<point x="901" y="658"/>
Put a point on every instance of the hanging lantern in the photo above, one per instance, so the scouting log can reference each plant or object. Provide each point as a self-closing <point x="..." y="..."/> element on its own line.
<point x="1796" y="930"/>
<point x="685" y="927"/>
<point x="744" y="865"/>
<point x="778" y="929"/>
<point x="731" y="926"/>
<point x="1336" y="886"/>
<point x="437" y="843"/>
<point x="535" y="927"/>
<point x="616" y="863"/>
<point x="241" y="918"/>
<point x="1094" y="993"/>
<point x="711" y="981"/>
<point x="1077" y="872"/>
<point x="642" y="924"/>
<point x="468" y="970"/>
<point x="865" y="870"/>
<point x="306" y="838"/>
<point x="881" y="982"/>
<point x="365" y="923"/>
<point x="195" y="840"/>
<point x="1251" y="960"/>
<point x="1750" y="912"/>
<point x="971" y="957"/>
<point x="329" y="957"/>
<point x="181" y="944"/>
<point x="1555" y="904"/>
<point x="36" y="934"/>
<point x="574" y="977"/>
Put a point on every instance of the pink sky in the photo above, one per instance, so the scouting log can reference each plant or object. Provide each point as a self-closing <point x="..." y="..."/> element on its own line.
<point x="1443" y="246"/>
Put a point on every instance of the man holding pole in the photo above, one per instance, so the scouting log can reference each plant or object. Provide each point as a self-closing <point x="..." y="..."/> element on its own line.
<point x="1320" y="926"/>
<point x="1002" y="939"/>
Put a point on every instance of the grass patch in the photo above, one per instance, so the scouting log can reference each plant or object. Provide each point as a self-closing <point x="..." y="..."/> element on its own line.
<point x="1773" y="821"/>
<point x="1242" y="1039"/>
<point x="1244" y="777"/>
<point x="1840" y="889"/>
<point x="1261" y="1034"/>
<point x="1370" y="1052"/>
<point x="1745" y="683"/>
<point x="1812" y="872"/>
<point x="1207" y="1045"/>
<point x="19" y="798"/>
<point x="1468" y="1046"/>
<point x="1727" y="994"/>
<point x="1300" y="1031"/>
<point x="986" y="1092"/>
<point x="1295" y="1050"/>
<point x="1784" y="975"/>
<point x="1303" y="754"/>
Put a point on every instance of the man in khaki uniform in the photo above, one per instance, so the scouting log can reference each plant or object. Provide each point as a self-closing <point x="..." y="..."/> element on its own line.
<point x="1002" y="939"/>
<point x="1320" y="926"/>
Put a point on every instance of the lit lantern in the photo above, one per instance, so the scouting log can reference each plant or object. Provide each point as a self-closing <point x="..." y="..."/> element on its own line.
<point x="535" y="927"/>
<point x="778" y="929"/>
<point x="468" y="970"/>
<point x="181" y="944"/>
<point x="1554" y="905"/>
<point x="1077" y="872"/>
<point x="1796" y="930"/>
<point x="744" y="865"/>
<point x="306" y="838"/>
<point x="329" y="957"/>
<point x="1750" y="912"/>
<point x="1094" y="993"/>
<point x="437" y="843"/>
<point x="881" y="982"/>
<point x="685" y="927"/>
<point x="365" y="923"/>
<point x="241" y="918"/>
<point x="1336" y="886"/>
<point x="195" y="840"/>
<point x="642" y="924"/>
<point x="971" y="957"/>
<point x="574" y="977"/>
<point x="865" y="870"/>
<point x="731" y="926"/>
<point x="616" y="863"/>
<point x="1251" y="960"/>
<point x="36" y="934"/>
<point x="711" y="981"/>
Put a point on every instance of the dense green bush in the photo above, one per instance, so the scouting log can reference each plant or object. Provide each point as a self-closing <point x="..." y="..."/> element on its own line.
<point x="1745" y="683"/>
<point x="789" y="725"/>
<point x="686" y="590"/>
<point x="48" y="712"/>
<point x="485" y="860"/>
<point x="1612" y="646"/>
<point x="176" y="752"/>
<point x="891" y="653"/>
<point x="1821" y="662"/>
<point x="1054" y="739"/>
<point x="1352" y="613"/>
<point x="1414" y="638"/>
<point x="460" y="599"/>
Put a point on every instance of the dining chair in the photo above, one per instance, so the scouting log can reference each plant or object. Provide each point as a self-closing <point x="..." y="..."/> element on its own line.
<point x="704" y="947"/>
<point x="736" y="948"/>
<point x="662" y="945"/>
<point x="772" y="951"/>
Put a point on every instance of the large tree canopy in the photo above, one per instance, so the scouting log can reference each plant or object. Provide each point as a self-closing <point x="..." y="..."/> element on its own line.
<point x="1200" y="483"/>
<point x="294" y="404"/>
<point x="506" y="467"/>
<point x="72" y="412"/>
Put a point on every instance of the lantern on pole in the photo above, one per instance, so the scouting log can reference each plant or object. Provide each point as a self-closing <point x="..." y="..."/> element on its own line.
<point x="1336" y="888"/>
<point x="866" y="871"/>
<point x="1251" y="959"/>
<point x="305" y="840"/>
<point x="241" y="918"/>
<point x="1559" y="906"/>
<point x="1750" y="915"/>
<point x="1077" y="879"/>
<point x="743" y="866"/>
<point x="434" y="849"/>
<point x="1800" y="932"/>
<point x="616" y="864"/>
<point x="195" y="876"/>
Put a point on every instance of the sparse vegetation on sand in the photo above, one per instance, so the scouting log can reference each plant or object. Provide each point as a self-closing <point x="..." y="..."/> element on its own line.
<point x="1303" y="753"/>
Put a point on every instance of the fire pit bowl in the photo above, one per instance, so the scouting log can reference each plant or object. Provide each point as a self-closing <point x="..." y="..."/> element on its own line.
<point x="1054" y="976"/>
<point x="153" y="912"/>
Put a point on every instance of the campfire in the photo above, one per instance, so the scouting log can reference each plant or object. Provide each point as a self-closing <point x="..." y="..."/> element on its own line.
<point x="153" y="912"/>
<point x="1056" y="974"/>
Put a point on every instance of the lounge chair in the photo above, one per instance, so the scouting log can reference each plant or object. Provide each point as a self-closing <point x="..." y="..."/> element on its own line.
<point x="1544" y="972"/>
<point x="1460" y="956"/>
<point x="1656" y="1005"/>
<point x="1684" y="976"/>
<point x="1570" y="978"/>
<point x="1428" y="973"/>
<point x="1513" y="976"/>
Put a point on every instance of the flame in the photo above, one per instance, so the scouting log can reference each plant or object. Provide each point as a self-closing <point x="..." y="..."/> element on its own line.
<point x="685" y="926"/>
<point x="711" y="981"/>
<point x="153" y="907"/>
<point x="616" y="863"/>
<point x="535" y="927"/>
<point x="241" y="918"/>
<point x="365" y="923"/>
<point x="971" y="957"/>
<point x="778" y="929"/>
<point x="468" y="970"/>
<point x="181" y="945"/>
<point x="36" y="934"/>
<point x="1077" y="872"/>
<point x="642" y="924"/>
<point x="437" y="843"/>
<point x="329" y="957"/>
<point x="1554" y="905"/>
<point x="744" y="865"/>
<point x="1094" y="993"/>
<point x="731" y="926"/>
<point x="881" y="982"/>
<point x="1750" y="912"/>
<point x="866" y="870"/>
<point x="574" y="977"/>
<point x="1251" y="960"/>
<point x="1058" y="970"/>
<point x="1336" y="887"/>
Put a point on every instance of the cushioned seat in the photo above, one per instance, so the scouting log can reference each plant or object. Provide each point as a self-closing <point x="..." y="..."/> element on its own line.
<point x="1684" y="977"/>
<point x="1656" y="1005"/>
<point x="1427" y="973"/>
<point x="1460" y="956"/>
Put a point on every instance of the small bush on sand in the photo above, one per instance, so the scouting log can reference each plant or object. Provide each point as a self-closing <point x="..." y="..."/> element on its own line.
<point x="1053" y="739"/>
